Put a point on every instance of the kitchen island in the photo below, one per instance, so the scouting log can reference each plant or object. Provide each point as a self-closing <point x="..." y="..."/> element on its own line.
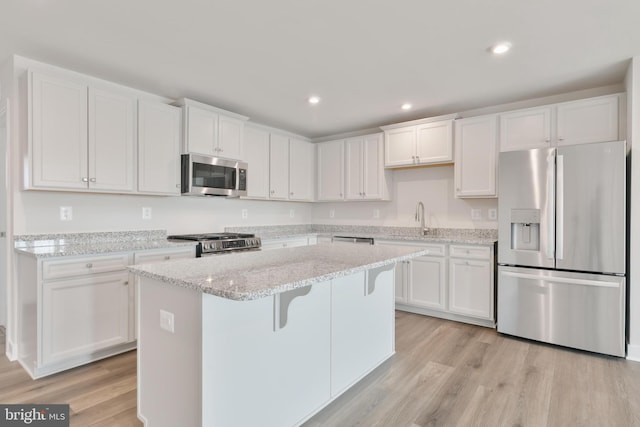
<point x="262" y="338"/>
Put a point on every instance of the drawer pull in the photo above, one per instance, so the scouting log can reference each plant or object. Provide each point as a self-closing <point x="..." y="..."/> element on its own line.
<point x="89" y="265"/>
<point x="167" y="257"/>
<point x="126" y="283"/>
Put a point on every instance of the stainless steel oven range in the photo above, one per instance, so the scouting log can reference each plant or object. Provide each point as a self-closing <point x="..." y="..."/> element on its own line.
<point x="219" y="243"/>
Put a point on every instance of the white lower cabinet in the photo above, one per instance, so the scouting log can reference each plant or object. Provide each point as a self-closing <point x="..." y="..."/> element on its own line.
<point x="288" y="242"/>
<point x="362" y="323"/>
<point x="84" y="315"/>
<point x="77" y="309"/>
<point x="459" y="286"/>
<point x="471" y="287"/>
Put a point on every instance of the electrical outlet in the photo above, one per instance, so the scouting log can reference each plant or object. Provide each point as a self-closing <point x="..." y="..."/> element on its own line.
<point x="476" y="214"/>
<point x="66" y="213"/>
<point x="146" y="213"/>
<point x="332" y="213"/>
<point x="245" y="214"/>
<point x="376" y="213"/>
<point x="492" y="214"/>
<point x="292" y="213"/>
<point x="167" y="321"/>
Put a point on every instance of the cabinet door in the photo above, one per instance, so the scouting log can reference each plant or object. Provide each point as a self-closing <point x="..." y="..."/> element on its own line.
<point x="471" y="288"/>
<point x="81" y="316"/>
<point x="353" y="151"/>
<point x="427" y="282"/>
<point x="301" y="170"/>
<point x="434" y="142"/>
<point x="284" y="243"/>
<point x="401" y="282"/>
<point x="230" y="137"/>
<point x="373" y="173"/>
<point x="588" y="120"/>
<point x="112" y="137"/>
<point x="475" y="165"/>
<point x="400" y="147"/>
<point x="279" y="167"/>
<point x="331" y="170"/>
<point x="525" y="129"/>
<point x="58" y="132"/>
<point x="159" y="127"/>
<point x="362" y="322"/>
<point x="256" y="143"/>
<point x="280" y="368"/>
<point x="201" y="131"/>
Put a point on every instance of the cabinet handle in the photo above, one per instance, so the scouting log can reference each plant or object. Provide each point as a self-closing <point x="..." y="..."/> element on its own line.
<point x="273" y="191"/>
<point x="418" y="159"/>
<point x="560" y="138"/>
<point x="177" y="185"/>
<point x="458" y="189"/>
<point x="92" y="180"/>
<point x="291" y="194"/>
<point x="126" y="283"/>
<point x="340" y="194"/>
<point x="89" y="265"/>
<point x="284" y="245"/>
<point x="547" y="140"/>
<point x="84" y="179"/>
<point x="167" y="257"/>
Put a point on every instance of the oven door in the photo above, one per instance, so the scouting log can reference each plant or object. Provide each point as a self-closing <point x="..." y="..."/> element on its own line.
<point x="213" y="176"/>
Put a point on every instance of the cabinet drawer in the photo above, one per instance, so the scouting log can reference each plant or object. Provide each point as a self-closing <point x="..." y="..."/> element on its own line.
<point x="474" y="252"/>
<point x="159" y="256"/>
<point x="82" y="266"/>
<point x="432" y="249"/>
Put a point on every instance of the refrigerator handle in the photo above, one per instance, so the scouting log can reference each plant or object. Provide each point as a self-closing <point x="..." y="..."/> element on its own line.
<point x="560" y="207"/>
<point x="551" y="197"/>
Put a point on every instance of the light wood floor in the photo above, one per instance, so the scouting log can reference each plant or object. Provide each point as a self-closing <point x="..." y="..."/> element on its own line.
<point x="443" y="374"/>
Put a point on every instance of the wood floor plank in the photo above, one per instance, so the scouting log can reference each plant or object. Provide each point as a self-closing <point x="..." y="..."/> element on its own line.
<point x="443" y="374"/>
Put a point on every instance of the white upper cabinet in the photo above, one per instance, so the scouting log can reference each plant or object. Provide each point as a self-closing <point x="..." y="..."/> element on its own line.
<point x="365" y="177"/>
<point x="80" y="137"/>
<point x="256" y="148"/>
<point x="301" y="169"/>
<point x="159" y="130"/>
<point x="569" y="123"/>
<point x="588" y="120"/>
<point x="434" y="142"/>
<point x="57" y="133"/>
<point x="211" y="131"/>
<point x="279" y="167"/>
<point x="475" y="165"/>
<point x="331" y="170"/>
<point x="419" y="142"/>
<point x="112" y="140"/>
<point x="525" y="129"/>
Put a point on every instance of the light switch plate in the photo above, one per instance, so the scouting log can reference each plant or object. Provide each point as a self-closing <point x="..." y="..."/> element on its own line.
<point x="245" y="214"/>
<point x="167" y="321"/>
<point x="476" y="214"/>
<point x="376" y="213"/>
<point x="332" y="213"/>
<point x="492" y="214"/>
<point x="292" y="213"/>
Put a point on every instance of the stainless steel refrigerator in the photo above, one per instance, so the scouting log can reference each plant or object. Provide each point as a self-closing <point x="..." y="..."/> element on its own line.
<point x="561" y="248"/>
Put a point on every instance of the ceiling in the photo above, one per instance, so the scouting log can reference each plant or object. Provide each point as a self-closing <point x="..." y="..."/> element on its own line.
<point x="363" y="58"/>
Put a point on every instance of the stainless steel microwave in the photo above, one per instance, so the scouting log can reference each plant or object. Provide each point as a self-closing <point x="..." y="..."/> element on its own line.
<point x="213" y="176"/>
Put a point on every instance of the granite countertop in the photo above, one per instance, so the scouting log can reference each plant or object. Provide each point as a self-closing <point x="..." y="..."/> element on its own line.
<point x="410" y="234"/>
<point x="253" y="275"/>
<point x="77" y="244"/>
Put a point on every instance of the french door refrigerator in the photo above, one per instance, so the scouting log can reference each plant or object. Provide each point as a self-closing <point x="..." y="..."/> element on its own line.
<point x="561" y="246"/>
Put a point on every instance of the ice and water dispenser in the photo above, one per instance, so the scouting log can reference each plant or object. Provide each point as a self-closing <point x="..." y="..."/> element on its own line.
<point x="525" y="229"/>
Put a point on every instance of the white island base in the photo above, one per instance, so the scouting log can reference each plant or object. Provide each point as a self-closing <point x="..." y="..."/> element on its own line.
<point x="273" y="361"/>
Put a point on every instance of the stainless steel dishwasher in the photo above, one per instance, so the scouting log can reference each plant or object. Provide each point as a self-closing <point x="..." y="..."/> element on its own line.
<point x="349" y="239"/>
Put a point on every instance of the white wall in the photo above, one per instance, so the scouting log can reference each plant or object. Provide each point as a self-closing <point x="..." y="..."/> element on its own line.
<point x="39" y="212"/>
<point x="431" y="185"/>
<point x="632" y="82"/>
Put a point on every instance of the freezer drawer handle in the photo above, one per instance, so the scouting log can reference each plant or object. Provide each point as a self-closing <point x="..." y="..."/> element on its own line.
<point x="562" y="280"/>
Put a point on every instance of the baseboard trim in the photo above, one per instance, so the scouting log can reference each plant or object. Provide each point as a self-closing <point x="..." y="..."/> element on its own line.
<point x="633" y="352"/>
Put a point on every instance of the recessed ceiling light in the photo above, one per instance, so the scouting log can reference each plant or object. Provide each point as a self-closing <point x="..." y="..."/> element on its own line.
<point x="501" y="48"/>
<point x="313" y="100"/>
<point x="406" y="106"/>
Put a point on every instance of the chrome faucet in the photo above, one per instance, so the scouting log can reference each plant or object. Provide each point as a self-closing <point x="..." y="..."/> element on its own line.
<point x="420" y="218"/>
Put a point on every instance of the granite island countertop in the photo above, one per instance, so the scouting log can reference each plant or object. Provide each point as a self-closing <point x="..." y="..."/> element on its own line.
<point x="258" y="274"/>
